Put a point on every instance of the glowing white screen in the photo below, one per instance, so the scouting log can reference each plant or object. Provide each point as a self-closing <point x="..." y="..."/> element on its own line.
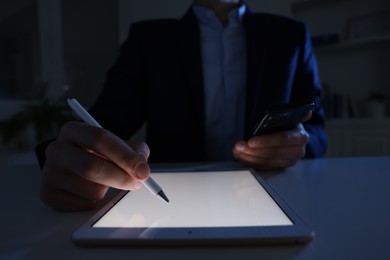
<point x="201" y="199"/>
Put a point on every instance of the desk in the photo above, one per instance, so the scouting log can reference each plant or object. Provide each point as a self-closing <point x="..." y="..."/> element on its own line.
<point x="346" y="202"/>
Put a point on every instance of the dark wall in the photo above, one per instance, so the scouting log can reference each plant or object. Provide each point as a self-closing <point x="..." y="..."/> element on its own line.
<point x="90" y="34"/>
<point x="19" y="61"/>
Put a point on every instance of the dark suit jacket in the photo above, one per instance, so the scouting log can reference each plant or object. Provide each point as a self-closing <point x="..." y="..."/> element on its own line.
<point x="158" y="79"/>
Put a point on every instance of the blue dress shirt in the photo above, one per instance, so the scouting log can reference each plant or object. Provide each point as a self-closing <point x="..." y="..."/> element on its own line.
<point x="224" y="70"/>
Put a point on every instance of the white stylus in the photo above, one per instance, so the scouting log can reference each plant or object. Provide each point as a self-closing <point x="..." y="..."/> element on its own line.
<point x="149" y="183"/>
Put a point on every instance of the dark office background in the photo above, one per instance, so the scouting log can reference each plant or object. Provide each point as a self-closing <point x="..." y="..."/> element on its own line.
<point x="68" y="45"/>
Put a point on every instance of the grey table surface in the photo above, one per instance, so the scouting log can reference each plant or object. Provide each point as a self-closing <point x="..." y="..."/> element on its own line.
<point x="345" y="200"/>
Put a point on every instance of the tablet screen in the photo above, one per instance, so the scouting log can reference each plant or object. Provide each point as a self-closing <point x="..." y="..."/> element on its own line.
<point x="201" y="199"/>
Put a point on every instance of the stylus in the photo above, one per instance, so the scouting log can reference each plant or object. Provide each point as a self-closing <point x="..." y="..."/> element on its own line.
<point x="149" y="183"/>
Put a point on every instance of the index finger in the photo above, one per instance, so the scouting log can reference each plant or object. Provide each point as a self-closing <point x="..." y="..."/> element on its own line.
<point x="108" y="145"/>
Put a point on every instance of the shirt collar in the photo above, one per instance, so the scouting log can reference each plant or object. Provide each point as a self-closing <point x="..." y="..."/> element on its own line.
<point x="207" y="16"/>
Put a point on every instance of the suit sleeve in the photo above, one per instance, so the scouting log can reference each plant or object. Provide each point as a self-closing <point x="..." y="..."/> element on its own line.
<point x="308" y="81"/>
<point x="122" y="105"/>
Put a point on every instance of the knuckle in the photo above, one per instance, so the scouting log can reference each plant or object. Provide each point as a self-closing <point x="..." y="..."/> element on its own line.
<point x="102" y="136"/>
<point x="129" y="183"/>
<point x="307" y="138"/>
<point x="98" y="193"/>
<point x="90" y="170"/>
<point x="286" y="138"/>
<point x="302" y="152"/>
<point x="67" y="128"/>
<point x="298" y="153"/>
<point x="51" y="149"/>
<point x="127" y="160"/>
<point x="264" y="155"/>
<point x="291" y="163"/>
<point x="139" y="145"/>
<point x="144" y="149"/>
<point x="304" y="135"/>
<point x="53" y="154"/>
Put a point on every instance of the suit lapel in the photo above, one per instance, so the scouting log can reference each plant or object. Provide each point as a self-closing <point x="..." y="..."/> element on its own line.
<point x="256" y="57"/>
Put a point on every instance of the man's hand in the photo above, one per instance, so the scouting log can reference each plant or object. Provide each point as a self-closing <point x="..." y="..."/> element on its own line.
<point x="84" y="161"/>
<point x="273" y="151"/>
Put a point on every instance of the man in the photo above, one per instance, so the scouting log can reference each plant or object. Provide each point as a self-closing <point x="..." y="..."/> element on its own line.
<point x="200" y="83"/>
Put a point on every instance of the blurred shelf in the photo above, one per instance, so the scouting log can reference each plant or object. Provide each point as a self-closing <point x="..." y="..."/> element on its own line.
<point x="306" y="4"/>
<point x="358" y="121"/>
<point x="367" y="41"/>
<point x="358" y="137"/>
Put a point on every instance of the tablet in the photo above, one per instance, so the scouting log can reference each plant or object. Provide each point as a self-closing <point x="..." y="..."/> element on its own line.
<point x="205" y="209"/>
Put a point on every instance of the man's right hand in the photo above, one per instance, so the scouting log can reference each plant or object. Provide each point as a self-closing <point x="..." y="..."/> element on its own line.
<point x="84" y="161"/>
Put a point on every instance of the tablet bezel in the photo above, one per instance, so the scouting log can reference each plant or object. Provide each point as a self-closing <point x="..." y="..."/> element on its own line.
<point x="298" y="233"/>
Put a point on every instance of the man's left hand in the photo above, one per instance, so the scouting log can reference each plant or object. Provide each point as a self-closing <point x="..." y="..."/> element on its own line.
<point x="273" y="151"/>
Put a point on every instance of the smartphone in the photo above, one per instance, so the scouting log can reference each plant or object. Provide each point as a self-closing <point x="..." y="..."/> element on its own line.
<point x="282" y="118"/>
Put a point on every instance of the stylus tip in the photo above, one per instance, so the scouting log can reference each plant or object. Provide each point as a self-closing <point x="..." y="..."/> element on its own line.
<point x="163" y="196"/>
